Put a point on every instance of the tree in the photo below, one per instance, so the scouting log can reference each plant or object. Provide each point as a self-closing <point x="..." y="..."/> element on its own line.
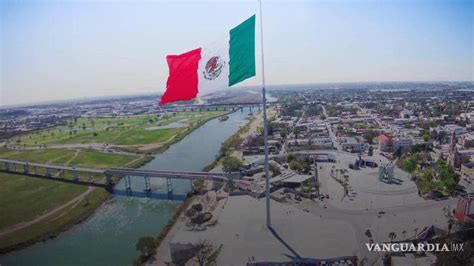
<point x="197" y="207"/>
<point x="296" y="131"/>
<point x="398" y="152"/>
<point x="203" y="250"/>
<point x="275" y="169"/>
<point x="231" y="164"/>
<point x="410" y="164"/>
<point x="299" y="165"/>
<point x="369" y="135"/>
<point x="392" y="236"/>
<point x="426" y="137"/>
<point x="296" y="165"/>
<point x="322" y="117"/>
<point x="434" y="135"/>
<point x="290" y="157"/>
<point x="146" y="245"/>
<point x="442" y="136"/>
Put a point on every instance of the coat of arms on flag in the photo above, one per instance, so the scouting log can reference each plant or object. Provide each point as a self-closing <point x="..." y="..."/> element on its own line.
<point x="231" y="63"/>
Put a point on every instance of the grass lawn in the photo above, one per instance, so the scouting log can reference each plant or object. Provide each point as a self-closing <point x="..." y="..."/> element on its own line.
<point x="119" y="130"/>
<point x="38" y="156"/>
<point x="54" y="225"/>
<point x="86" y="157"/>
<point x="143" y="136"/>
<point x="96" y="159"/>
<point x="25" y="197"/>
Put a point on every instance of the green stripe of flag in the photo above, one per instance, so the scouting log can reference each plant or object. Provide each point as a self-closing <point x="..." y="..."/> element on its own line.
<point x="242" y="51"/>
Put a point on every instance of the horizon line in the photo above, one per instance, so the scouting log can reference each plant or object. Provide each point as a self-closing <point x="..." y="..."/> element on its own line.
<point x="89" y="98"/>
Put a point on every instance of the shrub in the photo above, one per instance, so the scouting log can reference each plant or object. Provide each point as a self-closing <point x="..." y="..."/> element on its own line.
<point x="201" y="218"/>
<point x="197" y="207"/>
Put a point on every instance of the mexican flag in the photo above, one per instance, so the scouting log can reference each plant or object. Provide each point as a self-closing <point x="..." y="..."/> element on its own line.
<point x="220" y="65"/>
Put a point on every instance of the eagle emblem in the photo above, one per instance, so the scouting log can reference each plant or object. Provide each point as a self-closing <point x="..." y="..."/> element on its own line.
<point x="213" y="68"/>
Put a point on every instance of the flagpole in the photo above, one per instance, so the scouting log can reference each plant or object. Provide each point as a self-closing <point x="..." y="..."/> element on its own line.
<point x="265" y="129"/>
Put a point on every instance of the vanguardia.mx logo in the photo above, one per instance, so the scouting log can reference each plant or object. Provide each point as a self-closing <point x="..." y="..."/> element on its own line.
<point x="411" y="247"/>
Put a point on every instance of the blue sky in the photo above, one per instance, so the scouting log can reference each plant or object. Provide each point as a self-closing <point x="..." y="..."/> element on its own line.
<point x="54" y="50"/>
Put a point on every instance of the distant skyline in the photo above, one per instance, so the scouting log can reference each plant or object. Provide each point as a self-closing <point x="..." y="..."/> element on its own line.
<point x="53" y="50"/>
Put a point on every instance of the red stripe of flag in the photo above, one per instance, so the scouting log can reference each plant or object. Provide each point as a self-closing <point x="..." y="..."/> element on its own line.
<point x="182" y="84"/>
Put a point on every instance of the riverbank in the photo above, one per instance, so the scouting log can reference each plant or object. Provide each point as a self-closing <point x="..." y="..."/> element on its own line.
<point x="230" y="144"/>
<point x="48" y="223"/>
<point x="175" y="224"/>
<point x="109" y="236"/>
<point x="75" y="211"/>
<point x="61" y="221"/>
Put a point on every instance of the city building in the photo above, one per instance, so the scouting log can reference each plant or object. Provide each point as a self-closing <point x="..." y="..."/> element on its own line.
<point x="402" y="142"/>
<point x="464" y="211"/>
<point x="457" y="155"/>
<point x="351" y="145"/>
<point x="385" y="143"/>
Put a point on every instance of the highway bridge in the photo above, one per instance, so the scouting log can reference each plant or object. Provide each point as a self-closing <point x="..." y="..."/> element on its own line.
<point x="103" y="177"/>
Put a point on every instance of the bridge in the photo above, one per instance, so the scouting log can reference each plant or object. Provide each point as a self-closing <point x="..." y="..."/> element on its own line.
<point x="215" y="106"/>
<point x="103" y="177"/>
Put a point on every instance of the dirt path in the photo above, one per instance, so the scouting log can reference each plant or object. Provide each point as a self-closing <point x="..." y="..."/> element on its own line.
<point x="73" y="157"/>
<point x="42" y="217"/>
<point x="55" y="159"/>
<point x="133" y="161"/>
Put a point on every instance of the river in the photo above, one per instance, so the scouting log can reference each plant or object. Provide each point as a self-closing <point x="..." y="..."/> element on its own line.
<point x="108" y="237"/>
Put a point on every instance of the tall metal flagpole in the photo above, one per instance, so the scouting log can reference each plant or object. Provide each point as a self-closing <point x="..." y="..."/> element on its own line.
<point x="265" y="129"/>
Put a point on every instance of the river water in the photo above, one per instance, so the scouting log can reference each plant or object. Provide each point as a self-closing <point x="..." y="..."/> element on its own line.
<point x="108" y="237"/>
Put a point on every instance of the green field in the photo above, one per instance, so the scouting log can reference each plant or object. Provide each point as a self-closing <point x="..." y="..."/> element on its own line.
<point x="22" y="198"/>
<point x="129" y="130"/>
<point x="53" y="156"/>
<point x="102" y="160"/>
<point x="82" y="157"/>
<point x="25" y="197"/>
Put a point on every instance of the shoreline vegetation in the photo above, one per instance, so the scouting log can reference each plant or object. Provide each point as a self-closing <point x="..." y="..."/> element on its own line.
<point x="227" y="147"/>
<point x="83" y="209"/>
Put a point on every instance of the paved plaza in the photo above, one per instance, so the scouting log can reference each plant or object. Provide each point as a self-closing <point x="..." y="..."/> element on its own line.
<point x="242" y="231"/>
